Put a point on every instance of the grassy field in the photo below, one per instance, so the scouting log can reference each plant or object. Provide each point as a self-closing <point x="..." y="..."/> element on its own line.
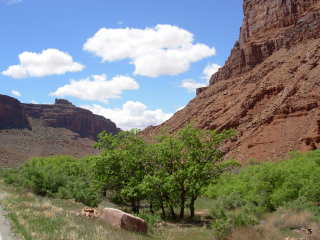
<point x="42" y="218"/>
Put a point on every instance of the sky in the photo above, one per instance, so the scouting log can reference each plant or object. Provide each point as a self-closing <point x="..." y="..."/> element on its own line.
<point x="135" y="62"/>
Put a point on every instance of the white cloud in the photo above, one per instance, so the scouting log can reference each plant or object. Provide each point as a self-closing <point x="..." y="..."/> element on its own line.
<point x="162" y="50"/>
<point x="34" y="102"/>
<point x="48" y="62"/>
<point x="191" y="85"/>
<point x="131" y="115"/>
<point x="97" y="88"/>
<point x="209" y="70"/>
<point x="180" y="108"/>
<point x="16" y="93"/>
<point x="10" y="2"/>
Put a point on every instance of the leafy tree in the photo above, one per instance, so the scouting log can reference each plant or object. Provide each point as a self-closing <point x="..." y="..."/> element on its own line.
<point x="120" y="167"/>
<point x="192" y="160"/>
<point x="169" y="172"/>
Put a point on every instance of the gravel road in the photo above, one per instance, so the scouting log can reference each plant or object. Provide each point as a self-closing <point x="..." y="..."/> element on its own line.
<point x="5" y="228"/>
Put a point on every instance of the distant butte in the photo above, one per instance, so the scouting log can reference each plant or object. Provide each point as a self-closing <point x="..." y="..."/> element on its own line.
<point x="269" y="88"/>
<point x="28" y="130"/>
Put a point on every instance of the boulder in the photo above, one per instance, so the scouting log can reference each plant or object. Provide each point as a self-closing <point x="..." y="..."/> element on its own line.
<point x="124" y="220"/>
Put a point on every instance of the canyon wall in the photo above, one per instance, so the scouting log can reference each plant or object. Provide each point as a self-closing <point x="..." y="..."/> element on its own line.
<point x="269" y="88"/>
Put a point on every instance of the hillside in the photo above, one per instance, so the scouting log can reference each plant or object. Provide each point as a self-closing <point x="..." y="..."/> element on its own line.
<point x="28" y="130"/>
<point x="268" y="89"/>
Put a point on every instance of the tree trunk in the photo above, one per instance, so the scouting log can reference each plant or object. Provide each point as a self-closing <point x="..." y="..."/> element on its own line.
<point x="173" y="214"/>
<point x="163" y="211"/>
<point x="193" y="199"/>
<point x="134" y="206"/>
<point x="182" y="203"/>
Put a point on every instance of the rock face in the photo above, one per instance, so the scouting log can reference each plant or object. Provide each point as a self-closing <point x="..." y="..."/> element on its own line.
<point x="28" y="130"/>
<point x="12" y="114"/>
<point x="270" y="25"/>
<point x="268" y="89"/>
<point x="124" y="220"/>
<point x="63" y="114"/>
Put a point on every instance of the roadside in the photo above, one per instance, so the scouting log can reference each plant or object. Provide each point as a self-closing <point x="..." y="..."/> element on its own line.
<point x="5" y="226"/>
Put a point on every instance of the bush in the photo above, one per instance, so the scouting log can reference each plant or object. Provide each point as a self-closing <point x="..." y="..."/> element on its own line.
<point x="271" y="185"/>
<point x="151" y="219"/>
<point x="258" y="189"/>
<point x="57" y="176"/>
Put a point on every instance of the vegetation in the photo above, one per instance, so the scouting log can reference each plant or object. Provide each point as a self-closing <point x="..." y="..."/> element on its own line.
<point x="242" y="198"/>
<point x="57" y="176"/>
<point x="42" y="218"/>
<point x="163" y="178"/>
<point x="170" y="172"/>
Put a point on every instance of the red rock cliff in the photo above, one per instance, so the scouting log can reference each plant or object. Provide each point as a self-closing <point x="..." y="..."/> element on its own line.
<point x="269" y="88"/>
<point x="12" y="113"/>
<point x="268" y="26"/>
<point x="63" y="114"/>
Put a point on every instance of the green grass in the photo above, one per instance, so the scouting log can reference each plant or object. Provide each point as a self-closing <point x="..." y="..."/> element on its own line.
<point x="41" y="218"/>
<point x="203" y="203"/>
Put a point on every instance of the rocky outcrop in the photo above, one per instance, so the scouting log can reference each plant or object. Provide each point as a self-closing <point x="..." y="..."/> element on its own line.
<point x="12" y="114"/>
<point x="29" y="130"/>
<point x="124" y="220"/>
<point x="268" y="90"/>
<point x="267" y="27"/>
<point x="63" y="114"/>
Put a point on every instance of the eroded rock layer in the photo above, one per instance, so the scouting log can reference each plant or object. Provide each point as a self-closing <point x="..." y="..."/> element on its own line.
<point x="269" y="88"/>
<point x="28" y="130"/>
<point x="12" y="114"/>
<point x="63" y="114"/>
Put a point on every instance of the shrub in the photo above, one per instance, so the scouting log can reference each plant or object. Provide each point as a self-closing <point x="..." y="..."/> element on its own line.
<point x="271" y="185"/>
<point x="57" y="176"/>
<point x="151" y="219"/>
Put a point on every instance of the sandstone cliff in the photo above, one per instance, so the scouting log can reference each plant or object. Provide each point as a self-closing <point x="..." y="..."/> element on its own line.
<point x="28" y="130"/>
<point x="12" y="114"/>
<point x="268" y="89"/>
<point x="63" y="114"/>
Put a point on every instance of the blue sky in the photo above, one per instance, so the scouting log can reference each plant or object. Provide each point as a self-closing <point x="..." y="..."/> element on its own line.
<point x="135" y="62"/>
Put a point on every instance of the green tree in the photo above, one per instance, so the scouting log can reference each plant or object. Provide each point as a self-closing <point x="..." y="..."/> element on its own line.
<point x="190" y="160"/>
<point x="121" y="166"/>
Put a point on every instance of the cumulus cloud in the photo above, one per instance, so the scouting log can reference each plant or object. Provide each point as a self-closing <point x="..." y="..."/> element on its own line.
<point x="162" y="50"/>
<point x="16" y="93"/>
<point x="191" y="85"/>
<point x="48" y="62"/>
<point x="97" y="87"/>
<point x="209" y="70"/>
<point x="131" y="115"/>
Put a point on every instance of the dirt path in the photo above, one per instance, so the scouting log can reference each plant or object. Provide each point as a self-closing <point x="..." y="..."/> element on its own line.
<point x="5" y="228"/>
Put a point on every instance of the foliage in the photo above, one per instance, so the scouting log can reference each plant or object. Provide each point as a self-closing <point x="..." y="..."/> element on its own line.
<point x="169" y="172"/>
<point x="56" y="176"/>
<point x="264" y="188"/>
<point x="271" y="185"/>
